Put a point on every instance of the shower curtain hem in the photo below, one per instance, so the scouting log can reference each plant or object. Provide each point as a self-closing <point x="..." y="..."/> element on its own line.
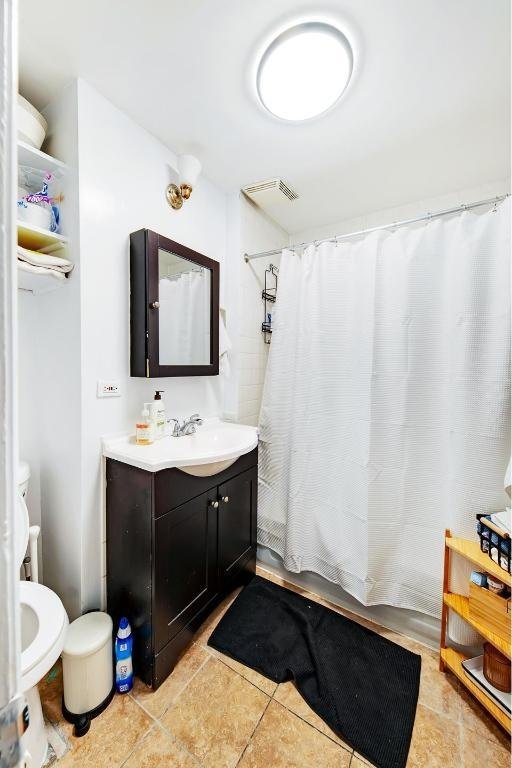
<point x="383" y="594"/>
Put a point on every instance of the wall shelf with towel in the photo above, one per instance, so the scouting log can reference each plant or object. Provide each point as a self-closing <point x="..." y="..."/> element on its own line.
<point x="38" y="277"/>
<point x="44" y="242"/>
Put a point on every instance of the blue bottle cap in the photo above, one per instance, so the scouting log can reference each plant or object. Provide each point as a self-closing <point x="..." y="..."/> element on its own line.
<point x="124" y="630"/>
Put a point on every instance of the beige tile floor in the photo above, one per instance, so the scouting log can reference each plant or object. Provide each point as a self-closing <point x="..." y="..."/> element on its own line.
<point x="213" y="712"/>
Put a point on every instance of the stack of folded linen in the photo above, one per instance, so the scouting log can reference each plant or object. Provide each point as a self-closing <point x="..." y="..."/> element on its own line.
<point x="43" y="263"/>
<point x="503" y="520"/>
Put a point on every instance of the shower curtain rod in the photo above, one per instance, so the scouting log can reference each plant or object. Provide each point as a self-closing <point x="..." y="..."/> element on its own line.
<point x="464" y="207"/>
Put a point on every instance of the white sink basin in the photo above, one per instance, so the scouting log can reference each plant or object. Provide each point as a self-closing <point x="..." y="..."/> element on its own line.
<point x="214" y="447"/>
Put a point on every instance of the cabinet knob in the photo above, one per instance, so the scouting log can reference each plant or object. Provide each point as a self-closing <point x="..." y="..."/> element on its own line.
<point x="214" y="504"/>
<point x="225" y="499"/>
<point x="155" y="305"/>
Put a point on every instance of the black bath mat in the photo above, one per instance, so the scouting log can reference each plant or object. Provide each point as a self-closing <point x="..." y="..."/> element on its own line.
<point x="364" y="686"/>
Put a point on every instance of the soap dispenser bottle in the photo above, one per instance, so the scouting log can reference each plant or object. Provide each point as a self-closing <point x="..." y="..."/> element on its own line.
<point x="158" y="415"/>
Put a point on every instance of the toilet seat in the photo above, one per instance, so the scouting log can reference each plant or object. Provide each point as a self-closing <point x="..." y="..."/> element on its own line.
<point x="49" y="625"/>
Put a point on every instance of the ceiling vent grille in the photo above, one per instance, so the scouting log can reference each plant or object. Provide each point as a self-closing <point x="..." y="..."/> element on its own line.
<point x="270" y="195"/>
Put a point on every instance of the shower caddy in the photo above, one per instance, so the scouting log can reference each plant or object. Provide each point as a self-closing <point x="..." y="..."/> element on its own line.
<point x="269" y="295"/>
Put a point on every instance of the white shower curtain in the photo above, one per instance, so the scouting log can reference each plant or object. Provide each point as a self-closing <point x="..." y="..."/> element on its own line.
<point x="386" y="408"/>
<point x="184" y="304"/>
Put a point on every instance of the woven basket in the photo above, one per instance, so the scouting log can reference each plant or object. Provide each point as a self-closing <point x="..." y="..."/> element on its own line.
<point x="496" y="668"/>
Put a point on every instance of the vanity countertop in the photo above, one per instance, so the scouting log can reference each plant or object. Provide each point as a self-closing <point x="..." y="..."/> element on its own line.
<point x="213" y="443"/>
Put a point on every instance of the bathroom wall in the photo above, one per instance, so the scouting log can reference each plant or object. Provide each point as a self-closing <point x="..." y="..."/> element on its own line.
<point x="256" y="232"/>
<point x="27" y="417"/>
<point x="122" y="173"/>
<point x="28" y="421"/>
<point x="50" y="387"/>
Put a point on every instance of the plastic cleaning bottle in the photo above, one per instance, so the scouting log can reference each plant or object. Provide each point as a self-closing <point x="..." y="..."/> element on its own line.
<point x="123" y="653"/>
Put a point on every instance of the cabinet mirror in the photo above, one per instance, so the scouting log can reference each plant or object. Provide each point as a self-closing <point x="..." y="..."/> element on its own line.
<point x="174" y="308"/>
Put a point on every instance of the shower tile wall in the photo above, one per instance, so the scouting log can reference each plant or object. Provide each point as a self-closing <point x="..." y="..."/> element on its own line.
<point x="258" y="233"/>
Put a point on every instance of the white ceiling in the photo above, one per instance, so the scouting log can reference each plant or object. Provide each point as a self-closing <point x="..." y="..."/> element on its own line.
<point x="426" y="113"/>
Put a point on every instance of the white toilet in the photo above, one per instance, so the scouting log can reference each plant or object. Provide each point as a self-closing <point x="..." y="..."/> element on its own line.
<point x="43" y="630"/>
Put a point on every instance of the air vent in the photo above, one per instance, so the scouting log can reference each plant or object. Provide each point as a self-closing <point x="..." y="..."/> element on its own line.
<point x="270" y="195"/>
<point x="274" y="186"/>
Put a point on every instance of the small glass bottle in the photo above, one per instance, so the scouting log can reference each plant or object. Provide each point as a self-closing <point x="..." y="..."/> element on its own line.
<point x="143" y="434"/>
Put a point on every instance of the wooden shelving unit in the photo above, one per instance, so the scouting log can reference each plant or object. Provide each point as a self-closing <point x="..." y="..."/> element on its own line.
<point x="453" y="660"/>
<point x="472" y="552"/>
<point x="450" y="657"/>
<point x="460" y="604"/>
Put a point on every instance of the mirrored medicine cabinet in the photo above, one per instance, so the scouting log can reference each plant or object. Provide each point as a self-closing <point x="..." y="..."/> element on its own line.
<point x="174" y="309"/>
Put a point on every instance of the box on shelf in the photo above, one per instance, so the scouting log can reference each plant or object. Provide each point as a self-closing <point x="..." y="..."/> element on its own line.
<point x="490" y="609"/>
<point x="494" y="542"/>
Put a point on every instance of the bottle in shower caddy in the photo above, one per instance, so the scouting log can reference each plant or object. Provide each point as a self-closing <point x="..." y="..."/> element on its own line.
<point x="123" y="654"/>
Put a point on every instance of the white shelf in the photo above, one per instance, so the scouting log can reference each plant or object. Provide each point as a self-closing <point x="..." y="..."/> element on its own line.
<point x="38" y="283"/>
<point x="36" y="238"/>
<point x="28" y="155"/>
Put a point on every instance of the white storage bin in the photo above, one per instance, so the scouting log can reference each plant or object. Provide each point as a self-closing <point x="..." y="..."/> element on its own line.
<point x="87" y="668"/>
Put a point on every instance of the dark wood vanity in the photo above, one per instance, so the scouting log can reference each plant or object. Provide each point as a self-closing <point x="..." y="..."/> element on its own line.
<point x="176" y="545"/>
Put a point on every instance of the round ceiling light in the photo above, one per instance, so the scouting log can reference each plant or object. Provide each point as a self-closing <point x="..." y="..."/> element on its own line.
<point x="304" y="71"/>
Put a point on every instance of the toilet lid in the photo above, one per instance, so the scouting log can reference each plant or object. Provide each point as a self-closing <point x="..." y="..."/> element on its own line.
<point x="51" y="621"/>
<point x="21" y="526"/>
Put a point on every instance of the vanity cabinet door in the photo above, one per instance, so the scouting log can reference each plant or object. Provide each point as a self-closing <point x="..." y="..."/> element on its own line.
<point x="185" y="546"/>
<point x="237" y="523"/>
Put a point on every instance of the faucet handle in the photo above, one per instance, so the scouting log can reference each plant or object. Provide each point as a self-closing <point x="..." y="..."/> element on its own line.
<point x="196" y="417"/>
<point x="175" y="429"/>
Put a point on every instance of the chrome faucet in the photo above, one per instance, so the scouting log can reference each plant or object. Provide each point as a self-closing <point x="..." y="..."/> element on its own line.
<point x="187" y="426"/>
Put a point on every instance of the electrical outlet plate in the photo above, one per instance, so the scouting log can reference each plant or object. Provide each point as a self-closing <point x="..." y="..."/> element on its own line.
<point x="108" y="388"/>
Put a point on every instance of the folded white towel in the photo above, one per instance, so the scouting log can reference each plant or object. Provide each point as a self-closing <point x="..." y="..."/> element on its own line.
<point x="224" y="348"/>
<point x="26" y="267"/>
<point x="48" y="261"/>
<point x="503" y="520"/>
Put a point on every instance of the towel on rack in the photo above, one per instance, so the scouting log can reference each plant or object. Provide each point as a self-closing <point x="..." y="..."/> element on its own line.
<point x="225" y="346"/>
<point x="44" y="261"/>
